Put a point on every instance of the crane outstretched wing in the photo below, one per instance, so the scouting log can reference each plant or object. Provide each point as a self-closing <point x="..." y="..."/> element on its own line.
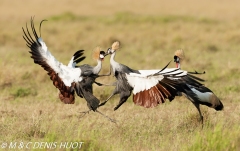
<point x="152" y="87"/>
<point x="63" y="77"/>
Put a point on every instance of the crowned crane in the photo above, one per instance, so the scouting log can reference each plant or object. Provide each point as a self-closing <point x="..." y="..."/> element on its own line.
<point x="149" y="87"/>
<point x="67" y="79"/>
<point x="198" y="94"/>
<point x="84" y="88"/>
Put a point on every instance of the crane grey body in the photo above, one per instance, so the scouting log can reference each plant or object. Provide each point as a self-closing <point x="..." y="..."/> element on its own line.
<point x="122" y="87"/>
<point x="89" y="74"/>
<point x="88" y="70"/>
<point x="84" y="88"/>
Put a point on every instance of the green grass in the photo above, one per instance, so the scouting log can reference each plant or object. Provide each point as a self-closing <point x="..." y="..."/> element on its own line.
<point x="217" y="138"/>
<point x="30" y="110"/>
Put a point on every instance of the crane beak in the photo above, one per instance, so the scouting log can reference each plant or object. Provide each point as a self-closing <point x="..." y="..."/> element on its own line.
<point x="106" y="54"/>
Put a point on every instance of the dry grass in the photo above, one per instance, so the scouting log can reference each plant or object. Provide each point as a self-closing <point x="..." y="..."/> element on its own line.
<point x="150" y="32"/>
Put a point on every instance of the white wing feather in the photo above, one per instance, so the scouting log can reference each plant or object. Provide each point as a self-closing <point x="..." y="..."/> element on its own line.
<point x="148" y="78"/>
<point x="68" y="74"/>
<point x="143" y="81"/>
<point x="71" y="64"/>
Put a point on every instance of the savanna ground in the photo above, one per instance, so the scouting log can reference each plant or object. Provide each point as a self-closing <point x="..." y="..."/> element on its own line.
<point x="150" y="32"/>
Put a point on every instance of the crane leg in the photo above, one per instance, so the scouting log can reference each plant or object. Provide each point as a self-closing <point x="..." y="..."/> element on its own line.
<point x="103" y="103"/>
<point x="123" y="98"/>
<point x="84" y="113"/>
<point x="100" y="84"/>
<point x="106" y="74"/>
<point x="110" y="119"/>
<point x="199" y="111"/>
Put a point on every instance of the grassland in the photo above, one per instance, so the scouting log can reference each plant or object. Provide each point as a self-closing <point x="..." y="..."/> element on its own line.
<point x="150" y="32"/>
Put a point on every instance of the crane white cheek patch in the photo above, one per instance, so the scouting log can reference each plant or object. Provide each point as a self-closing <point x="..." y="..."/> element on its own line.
<point x="101" y="56"/>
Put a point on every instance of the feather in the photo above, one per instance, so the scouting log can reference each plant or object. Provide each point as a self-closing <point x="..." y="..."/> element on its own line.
<point x="116" y="45"/>
<point x="76" y="58"/>
<point x="96" y="53"/>
<point x="180" y="54"/>
<point x="62" y="76"/>
<point x="148" y="98"/>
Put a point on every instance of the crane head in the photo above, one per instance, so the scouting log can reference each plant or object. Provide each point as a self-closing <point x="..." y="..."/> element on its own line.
<point x="102" y="55"/>
<point x="109" y="51"/>
<point x="178" y="57"/>
<point x="115" y="46"/>
<point x="98" y="54"/>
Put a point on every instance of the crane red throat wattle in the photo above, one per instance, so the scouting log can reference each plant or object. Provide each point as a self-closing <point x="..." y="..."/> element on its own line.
<point x="177" y="65"/>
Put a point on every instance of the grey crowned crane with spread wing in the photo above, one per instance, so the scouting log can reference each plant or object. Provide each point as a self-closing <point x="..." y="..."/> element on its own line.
<point x="67" y="79"/>
<point x="149" y="87"/>
<point x="84" y="88"/>
<point x="198" y="94"/>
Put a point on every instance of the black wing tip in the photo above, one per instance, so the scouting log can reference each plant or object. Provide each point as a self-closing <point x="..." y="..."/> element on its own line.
<point x="195" y="72"/>
<point x="165" y="66"/>
<point x="78" y="52"/>
<point x="196" y="78"/>
<point x="29" y="37"/>
<point x="78" y="56"/>
<point x="79" y="59"/>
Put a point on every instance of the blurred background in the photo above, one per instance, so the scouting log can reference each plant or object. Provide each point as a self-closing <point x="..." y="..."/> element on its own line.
<point x="150" y="31"/>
